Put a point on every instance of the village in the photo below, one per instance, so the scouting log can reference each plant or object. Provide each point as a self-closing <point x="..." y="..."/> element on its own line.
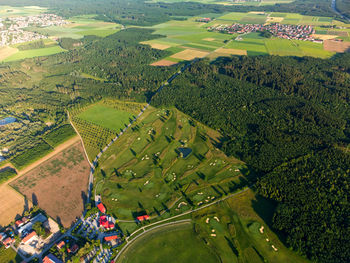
<point x="13" y="29"/>
<point x="93" y="237"/>
<point x="296" y="32"/>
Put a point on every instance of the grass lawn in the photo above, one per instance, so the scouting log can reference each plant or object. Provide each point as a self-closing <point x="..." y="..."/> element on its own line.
<point x="34" y="53"/>
<point x="9" y="255"/>
<point x="107" y="117"/>
<point x="169" y="244"/>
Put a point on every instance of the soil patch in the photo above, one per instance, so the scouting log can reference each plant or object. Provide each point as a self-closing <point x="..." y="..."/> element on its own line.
<point x="336" y="46"/>
<point x="190" y="54"/>
<point x="59" y="184"/>
<point x="164" y="62"/>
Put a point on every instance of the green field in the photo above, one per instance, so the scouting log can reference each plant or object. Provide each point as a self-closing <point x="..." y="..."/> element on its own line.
<point x="230" y="230"/>
<point x="170" y="245"/>
<point x="143" y="171"/>
<point x="79" y="27"/>
<point x="189" y="34"/>
<point x="35" y="53"/>
<point x="106" y="117"/>
<point x="9" y="256"/>
<point x="99" y="123"/>
<point x="9" y="11"/>
<point x="59" y="135"/>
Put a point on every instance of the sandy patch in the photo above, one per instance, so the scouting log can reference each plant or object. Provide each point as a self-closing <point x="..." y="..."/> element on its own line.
<point x="6" y="52"/>
<point x="190" y="54"/>
<point x="156" y="45"/>
<point x="164" y="62"/>
<point x="274" y="19"/>
<point x="323" y="37"/>
<point x="209" y="39"/>
<point x="336" y="46"/>
<point x="59" y="184"/>
<point x="12" y="204"/>
<point x="231" y="51"/>
<point x="338" y="33"/>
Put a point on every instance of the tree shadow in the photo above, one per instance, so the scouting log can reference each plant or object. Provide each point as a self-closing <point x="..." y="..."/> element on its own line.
<point x="35" y="199"/>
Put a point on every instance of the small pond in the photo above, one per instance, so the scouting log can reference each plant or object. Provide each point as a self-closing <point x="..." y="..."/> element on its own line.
<point x="185" y="151"/>
<point x="7" y="120"/>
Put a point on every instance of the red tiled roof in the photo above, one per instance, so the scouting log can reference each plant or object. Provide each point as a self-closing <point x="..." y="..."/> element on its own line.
<point x="8" y="241"/>
<point x="111" y="237"/>
<point x="28" y="237"/>
<point x="141" y="218"/>
<point x="19" y="222"/>
<point x="60" y="244"/>
<point x="51" y="259"/>
<point x="101" y="207"/>
<point x="73" y="249"/>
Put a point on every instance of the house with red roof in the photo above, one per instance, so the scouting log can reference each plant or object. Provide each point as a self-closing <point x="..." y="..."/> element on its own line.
<point x="60" y="245"/>
<point x="2" y="236"/>
<point x="110" y="238"/>
<point x="73" y="249"/>
<point x="19" y="223"/>
<point x="142" y="218"/>
<point x="105" y="223"/>
<point x="101" y="207"/>
<point x="8" y="241"/>
<point x="28" y="238"/>
<point x="51" y="259"/>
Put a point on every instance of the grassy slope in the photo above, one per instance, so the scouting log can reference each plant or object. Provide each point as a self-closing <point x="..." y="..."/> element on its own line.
<point x="107" y="117"/>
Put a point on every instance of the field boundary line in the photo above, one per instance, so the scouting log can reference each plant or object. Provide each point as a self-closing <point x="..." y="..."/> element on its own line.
<point x="81" y="139"/>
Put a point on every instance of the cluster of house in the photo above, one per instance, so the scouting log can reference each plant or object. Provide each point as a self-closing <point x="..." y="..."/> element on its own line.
<point x="13" y="29"/>
<point x="22" y="227"/>
<point x="72" y="249"/>
<point x="203" y="20"/>
<point x="297" y="32"/>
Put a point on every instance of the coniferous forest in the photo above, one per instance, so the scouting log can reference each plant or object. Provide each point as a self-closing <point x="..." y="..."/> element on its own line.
<point x="288" y="118"/>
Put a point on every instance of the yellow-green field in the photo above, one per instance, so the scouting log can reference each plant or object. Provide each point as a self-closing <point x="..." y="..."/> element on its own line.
<point x="79" y="27"/>
<point x="190" y="36"/>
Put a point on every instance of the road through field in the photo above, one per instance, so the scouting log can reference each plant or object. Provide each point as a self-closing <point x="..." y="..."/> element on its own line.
<point x="13" y="203"/>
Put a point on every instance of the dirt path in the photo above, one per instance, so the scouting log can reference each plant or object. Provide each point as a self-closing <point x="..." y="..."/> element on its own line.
<point x="13" y="203"/>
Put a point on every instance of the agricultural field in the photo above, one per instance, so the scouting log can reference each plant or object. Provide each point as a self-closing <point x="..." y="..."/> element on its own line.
<point x="58" y="185"/>
<point x="10" y="11"/>
<point x="47" y="51"/>
<point x="79" y="27"/>
<point x="99" y="123"/>
<point x="191" y="37"/>
<point x="235" y="230"/>
<point x="12" y="204"/>
<point x="165" y="164"/>
<point x="223" y="2"/>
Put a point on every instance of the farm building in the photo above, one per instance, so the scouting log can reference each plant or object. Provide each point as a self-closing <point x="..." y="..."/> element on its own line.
<point x="8" y="241"/>
<point x="101" y="207"/>
<point x="2" y="236"/>
<point x="29" y="237"/>
<point x="105" y="223"/>
<point x="51" y="259"/>
<point x="142" y="218"/>
<point x="109" y="238"/>
<point x="60" y="245"/>
<point x="19" y="223"/>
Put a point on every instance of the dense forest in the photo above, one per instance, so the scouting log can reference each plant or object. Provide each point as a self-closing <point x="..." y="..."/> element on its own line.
<point x="288" y="118"/>
<point x="140" y="12"/>
<point x="38" y="91"/>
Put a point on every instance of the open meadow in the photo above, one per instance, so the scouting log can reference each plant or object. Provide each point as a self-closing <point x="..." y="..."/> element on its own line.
<point x="235" y="230"/>
<point x="99" y="123"/>
<point x="192" y="37"/>
<point x="165" y="164"/>
<point x="11" y="11"/>
<point x="58" y="185"/>
<point x="79" y="27"/>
